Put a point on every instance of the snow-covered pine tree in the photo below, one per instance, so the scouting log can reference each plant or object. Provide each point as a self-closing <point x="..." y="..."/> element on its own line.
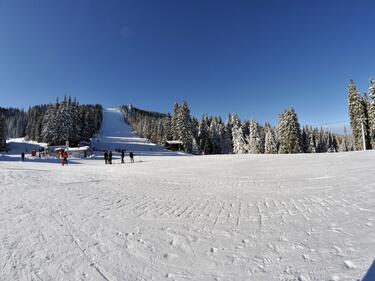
<point x="237" y="136"/>
<point x="253" y="139"/>
<point x="167" y="128"/>
<point x="357" y="115"/>
<point x="50" y="127"/>
<point x="227" y="141"/>
<point x="67" y="122"/>
<point x="195" y="147"/>
<point x="215" y="134"/>
<point x="184" y="127"/>
<point x="175" y="116"/>
<point x="2" y="133"/>
<point x="262" y="137"/>
<point x="333" y="147"/>
<point x="371" y="113"/>
<point x="86" y="122"/>
<point x="321" y="141"/>
<point x="312" y="142"/>
<point x="221" y="135"/>
<point x="270" y="145"/>
<point x="204" y="140"/>
<point x="305" y="139"/>
<point x="344" y="144"/>
<point x="289" y="132"/>
<point x="195" y="132"/>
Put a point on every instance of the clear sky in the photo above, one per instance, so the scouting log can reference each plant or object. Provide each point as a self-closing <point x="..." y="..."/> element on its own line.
<point x="255" y="58"/>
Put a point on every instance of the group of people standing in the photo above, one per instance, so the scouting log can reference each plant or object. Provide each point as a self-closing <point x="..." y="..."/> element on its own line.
<point x="108" y="156"/>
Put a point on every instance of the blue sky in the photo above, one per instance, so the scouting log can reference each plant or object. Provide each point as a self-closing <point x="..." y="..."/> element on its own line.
<point x="255" y="58"/>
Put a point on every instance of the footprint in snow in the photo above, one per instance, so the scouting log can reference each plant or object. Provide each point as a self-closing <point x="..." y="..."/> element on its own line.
<point x="334" y="278"/>
<point x="170" y="256"/>
<point x="349" y="264"/>
<point x="213" y="250"/>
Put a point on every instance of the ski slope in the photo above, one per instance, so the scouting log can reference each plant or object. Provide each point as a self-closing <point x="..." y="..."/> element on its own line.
<point x="224" y="217"/>
<point x="116" y="133"/>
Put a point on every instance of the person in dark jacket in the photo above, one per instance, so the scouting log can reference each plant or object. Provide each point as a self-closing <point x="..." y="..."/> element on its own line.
<point x="110" y="157"/>
<point x="131" y="155"/>
<point x="23" y="156"/>
<point x="106" y="157"/>
<point x="122" y="156"/>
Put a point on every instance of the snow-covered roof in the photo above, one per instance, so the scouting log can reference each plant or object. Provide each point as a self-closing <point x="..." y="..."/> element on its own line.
<point x="173" y="142"/>
<point x="72" y="149"/>
<point x="81" y="148"/>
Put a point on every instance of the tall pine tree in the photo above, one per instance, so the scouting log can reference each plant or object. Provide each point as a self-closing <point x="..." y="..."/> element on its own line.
<point x="357" y="115"/>
<point x="289" y="132"/>
<point x="237" y="136"/>
<point x="371" y="113"/>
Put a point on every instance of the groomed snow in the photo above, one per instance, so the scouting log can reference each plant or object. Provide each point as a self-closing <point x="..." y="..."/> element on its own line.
<point x="233" y="217"/>
<point x="224" y="217"/>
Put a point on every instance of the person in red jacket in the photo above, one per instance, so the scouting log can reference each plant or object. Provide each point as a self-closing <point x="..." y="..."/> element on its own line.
<point x="65" y="157"/>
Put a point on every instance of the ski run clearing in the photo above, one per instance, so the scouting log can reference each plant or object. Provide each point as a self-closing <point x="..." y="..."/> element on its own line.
<point x="221" y="217"/>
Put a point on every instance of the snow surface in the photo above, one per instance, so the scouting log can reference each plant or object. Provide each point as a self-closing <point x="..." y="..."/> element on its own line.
<point x="219" y="217"/>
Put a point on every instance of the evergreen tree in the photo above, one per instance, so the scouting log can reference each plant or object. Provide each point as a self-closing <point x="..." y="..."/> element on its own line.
<point x="175" y="128"/>
<point x="50" y="128"/>
<point x="253" y="139"/>
<point x="371" y="114"/>
<point x="167" y="128"/>
<point x="312" y="143"/>
<point x="184" y="127"/>
<point x="227" y="141"/>
<point x="2" y="133"/>
<point x="357" y="114"/>
<point x="346" y="142"/>
<point x="289" y="132"/>
<point x="237" y="136"/>
<point x="204" y="140"/>
<point x="305" y="139"/>
<point x="270" y="146"/>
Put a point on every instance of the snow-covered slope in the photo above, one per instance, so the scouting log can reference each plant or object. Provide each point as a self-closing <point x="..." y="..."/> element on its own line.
<point x="225" y="217"/>
<point x="116" y="133"/>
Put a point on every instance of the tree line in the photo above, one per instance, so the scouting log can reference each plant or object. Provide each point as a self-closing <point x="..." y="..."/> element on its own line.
<point x="211" y="135"/>
<point x="362" y="116"/>
<point x="51" y="123"/>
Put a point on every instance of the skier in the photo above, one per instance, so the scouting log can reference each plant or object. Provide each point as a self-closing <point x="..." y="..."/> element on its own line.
<point x="122" y="156"/>
<point x="106" y="157"/>
<point x="131" y="155"/>
<point x="110" y="157"/>
<point x="65" y="157"/>
<point x="23" y="156"/>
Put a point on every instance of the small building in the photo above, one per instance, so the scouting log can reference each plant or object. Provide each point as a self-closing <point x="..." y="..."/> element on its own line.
<point x="77" y="152"/>
<point x="174" y="145"/>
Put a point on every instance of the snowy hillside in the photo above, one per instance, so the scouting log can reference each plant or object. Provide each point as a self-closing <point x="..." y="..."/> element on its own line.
<point x="225" y="217"/>
<point x="116" y="133"/>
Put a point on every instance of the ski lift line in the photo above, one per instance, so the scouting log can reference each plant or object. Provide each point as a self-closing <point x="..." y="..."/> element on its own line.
<point x="330" y="123"/>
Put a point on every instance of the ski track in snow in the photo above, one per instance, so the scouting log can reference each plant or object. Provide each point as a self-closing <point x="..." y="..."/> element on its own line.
<point x="228" y="217"/>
